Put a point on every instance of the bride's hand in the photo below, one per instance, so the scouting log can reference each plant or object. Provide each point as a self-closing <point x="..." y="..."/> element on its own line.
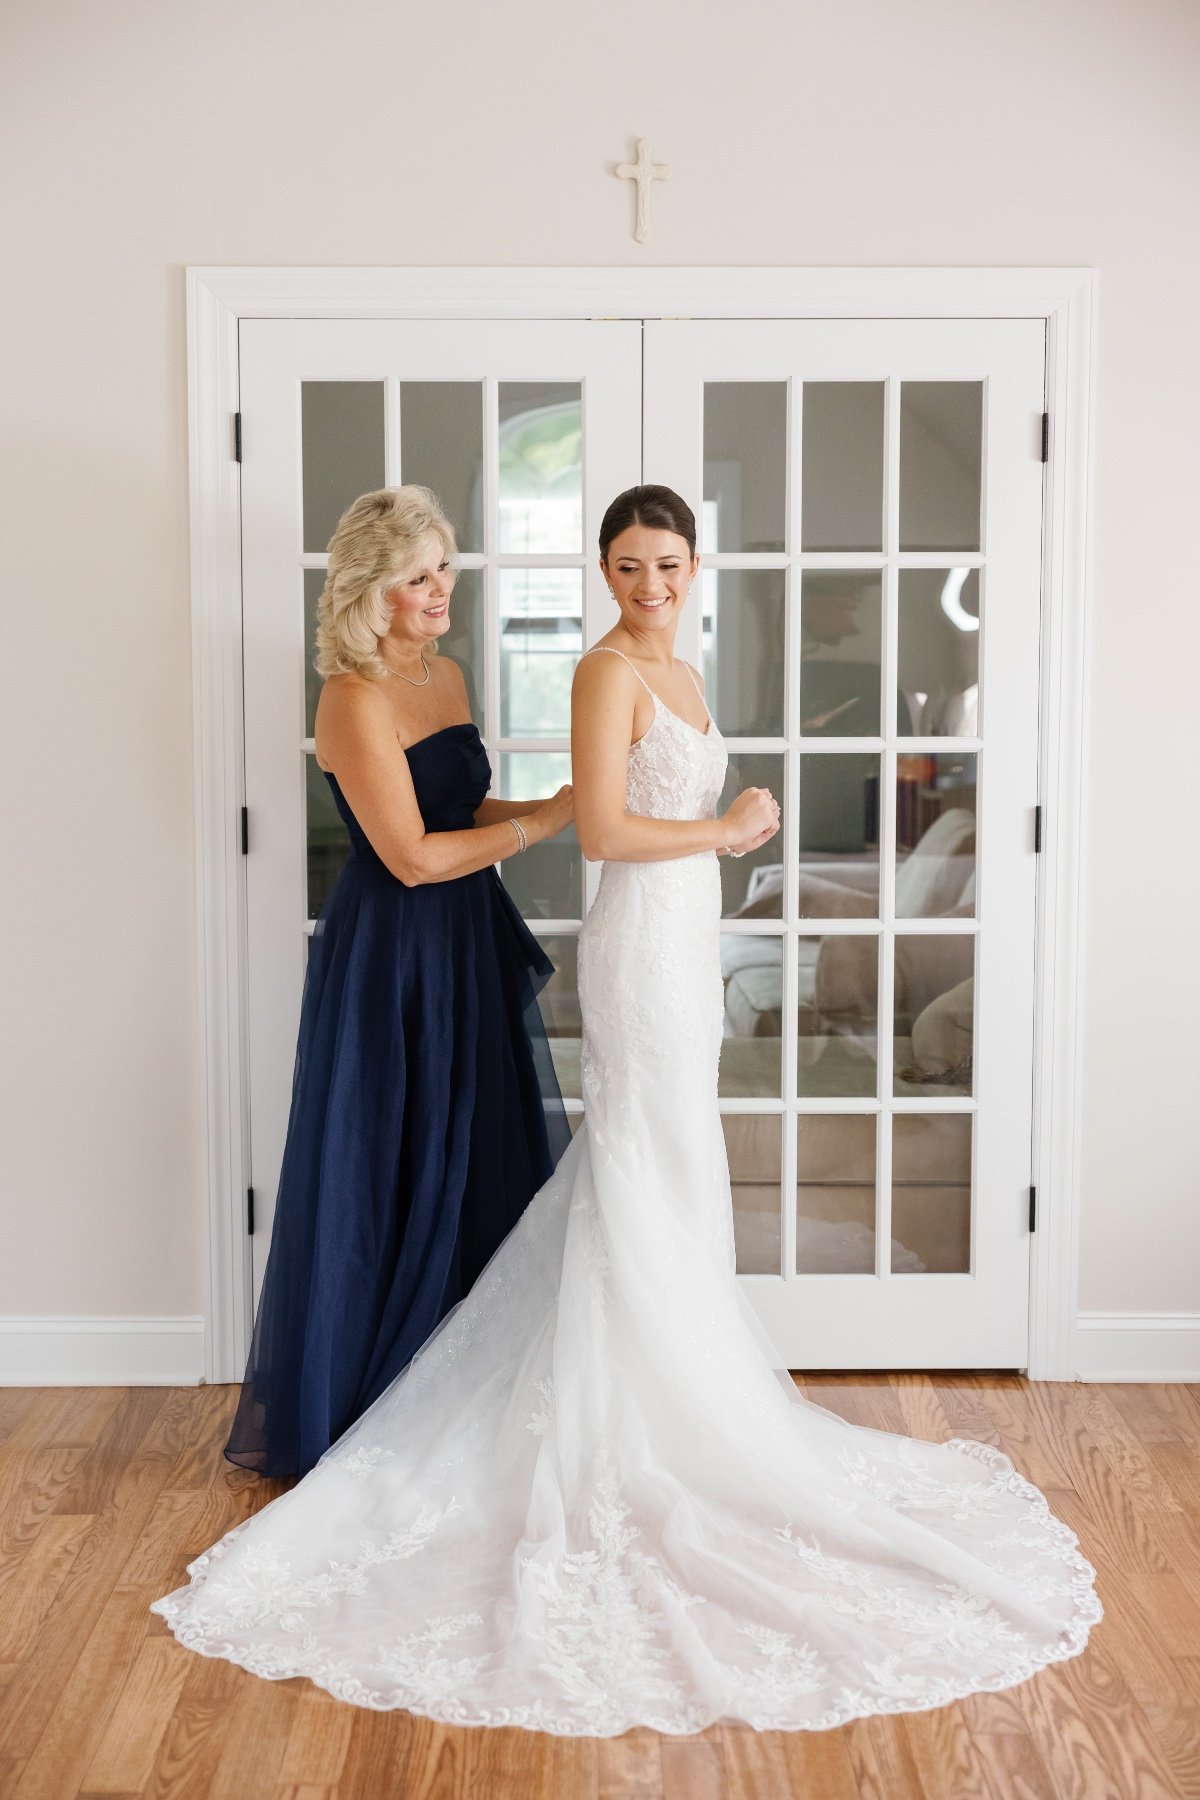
<point x="555" y="814"/>
<point x="751" y="820"/>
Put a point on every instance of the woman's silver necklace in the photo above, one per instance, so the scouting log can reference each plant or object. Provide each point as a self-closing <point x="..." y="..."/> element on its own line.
<point x="410" y="680"/>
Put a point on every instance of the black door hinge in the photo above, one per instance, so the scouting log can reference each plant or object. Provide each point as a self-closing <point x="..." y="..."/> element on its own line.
<point x="245" y="831"/>
<point x="249" y="1212"/>
<point x="237" y="437"/>
<point x="1045" y="437"/>
<point x="1033" y="1209"/>
<point x="1037" y="830"/>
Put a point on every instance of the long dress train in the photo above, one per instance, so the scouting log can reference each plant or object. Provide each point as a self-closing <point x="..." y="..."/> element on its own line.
<point x="593" y="1501"/>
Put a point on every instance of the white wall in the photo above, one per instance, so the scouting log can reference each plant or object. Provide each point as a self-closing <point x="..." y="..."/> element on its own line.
<point x="142" y="135"/>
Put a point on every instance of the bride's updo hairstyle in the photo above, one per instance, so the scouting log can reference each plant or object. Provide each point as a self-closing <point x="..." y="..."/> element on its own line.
<point x="660" y="508"/>
<point x="380" y="540"/>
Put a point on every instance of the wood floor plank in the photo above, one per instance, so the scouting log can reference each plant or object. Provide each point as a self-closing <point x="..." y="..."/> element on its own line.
<point x="923" y="1413"/>
<point x="85" y="1701"/>
<point x="318" y="1740"/>
<point x="1025" y="1438"/>
<point x="528" y="1765"/>
<point x="41" y="1478"/>
<point x="819" y="1765"/>
<point x="105" y="1458"/>
<point x="756" y="1764"/>
<point x="186" y="1764"/>
<point x="35" y="1688"/>
<point x="693" y="1768"/>
<point x="124" y="1757"/>
<point x="202" y="1461"/>
<point x="1012" y="1768"/>
<point x="944" y="1753"/>
<point x="30" y="1588"/>
<point x="377" y="1760"/>
<point x="1087" y="1732"/>
<point x="262" y="1719"/>
<point x="437" y="1762"/>
<point x="882" y="1759"/>
<point x="1119" y="1444"/>
<point x="629" y="1765"/>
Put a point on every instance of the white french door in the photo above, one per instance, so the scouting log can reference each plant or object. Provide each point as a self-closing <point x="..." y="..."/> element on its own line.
<point x="871" y="533"/>
<point x="870" y="502"/>
<point x="526" y="430"/>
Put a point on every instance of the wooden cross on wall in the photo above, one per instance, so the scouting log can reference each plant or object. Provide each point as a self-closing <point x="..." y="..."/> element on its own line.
<point x="643" y="171"/>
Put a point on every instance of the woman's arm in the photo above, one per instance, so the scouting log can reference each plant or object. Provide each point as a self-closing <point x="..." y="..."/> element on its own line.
<point x="493" y="810"/>
<point x="358" y="742"/>
<point x="603" y="703"/>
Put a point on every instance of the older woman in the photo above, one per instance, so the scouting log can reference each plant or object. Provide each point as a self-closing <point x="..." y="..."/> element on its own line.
<point x="425" y="1113"/>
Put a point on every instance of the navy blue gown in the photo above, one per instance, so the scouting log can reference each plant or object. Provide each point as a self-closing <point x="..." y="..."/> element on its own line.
<point x="425" y="1115"/>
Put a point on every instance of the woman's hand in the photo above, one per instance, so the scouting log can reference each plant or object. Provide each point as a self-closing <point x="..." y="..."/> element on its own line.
<point x="750" y="821"/>
<point x="555" y="814"/>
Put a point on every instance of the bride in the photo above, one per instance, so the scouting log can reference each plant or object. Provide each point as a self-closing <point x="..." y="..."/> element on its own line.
<point x="593" y="1501"/>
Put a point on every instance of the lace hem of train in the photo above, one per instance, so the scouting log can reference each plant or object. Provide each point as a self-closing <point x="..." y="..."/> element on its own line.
<point x="606" y="1644"/>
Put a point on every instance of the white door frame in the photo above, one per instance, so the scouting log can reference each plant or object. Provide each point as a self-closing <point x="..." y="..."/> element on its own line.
<point x="219" y="298"/>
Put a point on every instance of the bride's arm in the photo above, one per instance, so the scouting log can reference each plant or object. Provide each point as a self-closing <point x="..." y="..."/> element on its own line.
<point x="603" y="702"/>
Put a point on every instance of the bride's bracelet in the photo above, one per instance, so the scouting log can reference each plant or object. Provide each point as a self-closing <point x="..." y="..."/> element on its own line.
<point x="522" y="840"/>
<point x="729" y="852"/>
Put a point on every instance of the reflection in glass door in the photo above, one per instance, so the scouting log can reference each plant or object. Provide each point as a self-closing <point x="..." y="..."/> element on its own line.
<point x="869" y="631"/>
<point x="525" y="431"/>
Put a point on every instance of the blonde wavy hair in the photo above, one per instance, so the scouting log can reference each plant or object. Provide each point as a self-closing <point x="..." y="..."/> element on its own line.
<point x="380" y="540"/>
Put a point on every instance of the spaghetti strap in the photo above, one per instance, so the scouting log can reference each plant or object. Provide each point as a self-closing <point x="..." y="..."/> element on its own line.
<point x="611" y="650"/>
<point x="696" y="685"/>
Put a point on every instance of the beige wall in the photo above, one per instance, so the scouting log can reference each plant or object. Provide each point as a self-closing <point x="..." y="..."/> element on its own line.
<point x="143" y="135"/>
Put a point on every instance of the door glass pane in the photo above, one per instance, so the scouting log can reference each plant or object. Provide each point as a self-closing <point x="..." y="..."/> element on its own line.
<point x="341" y="426"/>
<point x="842" y="492"/>
<point x="935" y="836"/>
<point x="835" y="1194"/>
<point x="541" y="637"/>
<point x="839" y="837"/>
<point x="559" y="1003"/>
<point x="753" y="1145"/>
<point x="840" y="641"/>
<point x="328" y="839"/>
<point x="941" y="459"/>
<point x="939" y="652"/>
<point x="931" y="1193"/>
<point x="745" y="465"/>
<point x="744" y="650"/>
<point x="441" y="446"/>
<point x="934" y="1013"/>
<point x="838" y="987"/>
<point x="546" y="881"/>
<point x="314" y="582"/>
<point x="752" y="885"/>
<point x="752" y="971"/>
<point x="465" y="639"/>
<point x="541" y="467"/>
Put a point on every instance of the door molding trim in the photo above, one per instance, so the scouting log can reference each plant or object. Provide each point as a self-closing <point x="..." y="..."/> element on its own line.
<point x="219" y="298"/>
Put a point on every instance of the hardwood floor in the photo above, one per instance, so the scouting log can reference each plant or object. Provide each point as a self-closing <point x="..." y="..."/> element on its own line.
<point x="107" y="1493"/>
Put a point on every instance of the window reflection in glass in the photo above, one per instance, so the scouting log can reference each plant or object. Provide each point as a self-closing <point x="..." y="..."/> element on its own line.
<point x="559" y="1003"/>
<point x="935" y="835"/>
<point x="838" y="985"/>
<point x="753" y="1146"/>
<point x="839" y="836"/>
<point x="546" y="881"/>
<point x="931" y="1193"/>
<point x="541" y="467"/>
<point x="941" y="460"/>
<point x="328" y="841"/>
<point x="835" y="1194"/>
<point x="744" y="650"/>
<point x="745" y="465"/>
<point x="840" y="615"/>
<point x="934" y="1013"/>
<point x="842" y="495"/>
<point x="341" y="427"/>
<point x="752" y="885"/>
<point x="541" y="637"/>
<point x="939" y="651"/>
<point x="441" y="446"/>
<point x="752" y="973"/>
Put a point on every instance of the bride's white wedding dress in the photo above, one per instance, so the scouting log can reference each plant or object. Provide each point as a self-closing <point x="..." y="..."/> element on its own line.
<point x="592" y="1501"/>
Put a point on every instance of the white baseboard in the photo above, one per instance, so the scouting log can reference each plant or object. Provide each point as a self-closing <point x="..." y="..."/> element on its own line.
<point x="45" y="1351"/>
<point x="1127" y="1346"/>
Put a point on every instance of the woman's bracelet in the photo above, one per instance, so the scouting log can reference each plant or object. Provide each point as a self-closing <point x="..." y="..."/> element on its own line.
<point x="729" y="852"/>
<point x="522" y="840"/>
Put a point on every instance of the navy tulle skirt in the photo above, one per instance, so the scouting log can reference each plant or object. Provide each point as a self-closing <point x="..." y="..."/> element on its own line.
<point x="425" y="1115"/>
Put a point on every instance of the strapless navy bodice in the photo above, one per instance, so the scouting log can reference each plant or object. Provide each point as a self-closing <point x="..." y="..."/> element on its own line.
<point x="451" y="775"/>
<point x="425" y="1116"/>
